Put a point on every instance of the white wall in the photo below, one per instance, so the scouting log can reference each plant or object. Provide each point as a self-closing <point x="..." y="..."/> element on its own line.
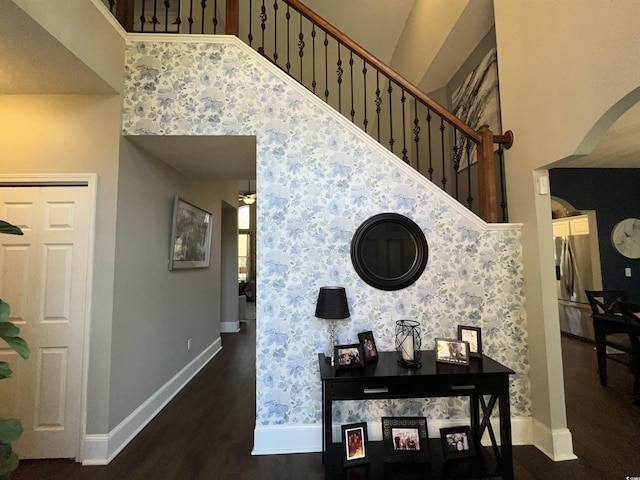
<point x="563" y="66"/>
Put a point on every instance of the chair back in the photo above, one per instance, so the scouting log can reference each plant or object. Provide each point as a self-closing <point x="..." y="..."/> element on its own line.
<point x="605" y="301"/>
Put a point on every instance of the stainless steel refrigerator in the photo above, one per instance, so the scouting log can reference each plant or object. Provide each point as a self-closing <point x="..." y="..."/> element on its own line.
<point x="574" y="274"/>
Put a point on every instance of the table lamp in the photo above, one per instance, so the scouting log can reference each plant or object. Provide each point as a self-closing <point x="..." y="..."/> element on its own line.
<point x="332" y="305"/>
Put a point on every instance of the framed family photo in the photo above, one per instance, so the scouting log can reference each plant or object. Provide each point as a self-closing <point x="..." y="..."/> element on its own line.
<point x="457" y="442"/>
<point x="348" y="356"/>
<point x="355" y="447"/>
<point x="190" y="236"/>
<point x="405" y="439"/>
<point x="368" y="346"/>
<point x="452" y="351"/>
<point x="473" y="336"/>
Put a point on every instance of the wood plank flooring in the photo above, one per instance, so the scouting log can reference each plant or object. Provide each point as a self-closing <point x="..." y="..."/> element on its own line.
<point x="206" y="432"/>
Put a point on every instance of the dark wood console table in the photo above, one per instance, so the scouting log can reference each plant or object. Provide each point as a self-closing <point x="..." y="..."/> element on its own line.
<point x="386" y="379"/>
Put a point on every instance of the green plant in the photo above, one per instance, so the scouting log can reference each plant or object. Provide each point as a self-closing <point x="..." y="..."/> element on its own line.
<point x="10" y="428"/>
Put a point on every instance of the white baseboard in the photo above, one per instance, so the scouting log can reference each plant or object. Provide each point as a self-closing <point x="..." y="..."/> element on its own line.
<point x="305" y="438"/>
<point x="101" y="449"/>
<point x="229" y="327"/>
<point x="556" y="444"/>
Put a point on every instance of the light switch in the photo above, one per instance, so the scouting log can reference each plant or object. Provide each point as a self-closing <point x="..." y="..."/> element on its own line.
<point x="627" y="272"/>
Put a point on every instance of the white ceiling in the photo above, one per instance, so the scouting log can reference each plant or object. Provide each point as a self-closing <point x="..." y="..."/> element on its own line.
<point x="33" y="62"/>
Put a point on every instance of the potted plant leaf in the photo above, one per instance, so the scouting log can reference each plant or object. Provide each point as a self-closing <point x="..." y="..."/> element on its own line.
<point x="10" y="428"/>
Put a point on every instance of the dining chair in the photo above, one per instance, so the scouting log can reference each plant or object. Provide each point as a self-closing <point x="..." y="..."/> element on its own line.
<point x="616" y="337"/>
<point x="631" y="314"/>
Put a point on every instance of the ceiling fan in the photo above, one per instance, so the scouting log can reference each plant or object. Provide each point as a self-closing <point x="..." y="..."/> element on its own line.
<point x="248" y="198"/>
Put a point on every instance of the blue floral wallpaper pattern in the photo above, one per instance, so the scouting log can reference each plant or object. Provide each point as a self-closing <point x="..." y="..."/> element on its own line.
<point x="318" y="179"/>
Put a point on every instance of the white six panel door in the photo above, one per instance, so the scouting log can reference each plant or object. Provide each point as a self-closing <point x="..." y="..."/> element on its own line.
<point x="43" y="277"/>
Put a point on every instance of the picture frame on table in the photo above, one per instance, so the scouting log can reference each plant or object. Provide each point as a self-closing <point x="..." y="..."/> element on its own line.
<point x="405" y="440"/>
<point x="348" y="356"/>
<point x="369" y="348"/>
<point x="355" y="444"/>
<point x="191" y="229"/>
<point x="472" y="335"/>
<point x="451" y="351"/>
<point x="457" y="443"/>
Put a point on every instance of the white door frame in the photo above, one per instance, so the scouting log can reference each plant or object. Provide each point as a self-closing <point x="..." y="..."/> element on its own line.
<point x="65" y="180"/>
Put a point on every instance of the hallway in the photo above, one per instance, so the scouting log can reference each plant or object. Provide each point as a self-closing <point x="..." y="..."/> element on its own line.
<point x="206" y="432"/>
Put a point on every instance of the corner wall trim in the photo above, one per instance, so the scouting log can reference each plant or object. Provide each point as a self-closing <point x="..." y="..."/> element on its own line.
<point x="557" y="444"/>
<point x="307" y="438"/>
<point x="101" y="449"/>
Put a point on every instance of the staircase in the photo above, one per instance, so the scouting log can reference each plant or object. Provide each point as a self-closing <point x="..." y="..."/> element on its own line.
<point x="468" y="164"/>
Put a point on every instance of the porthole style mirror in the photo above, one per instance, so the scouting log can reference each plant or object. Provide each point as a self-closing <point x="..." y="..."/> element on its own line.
<point x="389" y="251"/>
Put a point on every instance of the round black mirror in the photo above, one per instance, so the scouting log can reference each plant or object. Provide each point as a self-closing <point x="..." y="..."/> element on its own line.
<point x="389" y="251"/>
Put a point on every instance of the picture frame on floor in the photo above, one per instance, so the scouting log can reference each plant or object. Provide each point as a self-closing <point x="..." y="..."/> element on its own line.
<point x="405" y="439"/>
<point x="355" y="444"/>
<point x="472" y="335"/>
<point x="457" y="443"/>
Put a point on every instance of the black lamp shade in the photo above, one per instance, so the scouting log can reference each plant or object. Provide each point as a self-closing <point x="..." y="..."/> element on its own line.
<point x="332" y="303"/>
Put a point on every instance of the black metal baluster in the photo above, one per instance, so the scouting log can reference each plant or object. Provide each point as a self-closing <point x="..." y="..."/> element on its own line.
<point x="250" y="36"/>
<point x="326" y="68"/>
<point x="154" y="19"/>
<point x="178" y="21"/>
<point x="288" y="17"/>
<point x="378" y="101"/>
<point x="429" y="144"/>
<point x="444" y="178"/>
<point x="215" y="16"/>
<point x="263" y="26"/>
<point x="339" y="72"/>
<point x="167" y="3"/>
<point x="403" y="99"/>
<point x="353" y="112"/>
<point x="203" y="4"/>
<point x="456" y="164"/>
<point x="365" y="122"/>
<point x="142" y="19"/>
<point x="416" y="133"/>
<point x="313" y="56"/>
<point x="275" y="32"/>
<point x="301" y="47"/>
<point x="190" y="19"/>
<point x="391" y="140"/>
<point x="112" y="5"/>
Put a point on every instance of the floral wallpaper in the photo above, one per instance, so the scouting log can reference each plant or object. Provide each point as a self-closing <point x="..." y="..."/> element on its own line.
<point x="318" y="180"/>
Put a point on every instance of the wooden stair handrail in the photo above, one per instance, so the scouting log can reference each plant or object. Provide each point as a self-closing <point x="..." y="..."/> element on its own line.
<point x="506" y="139"/>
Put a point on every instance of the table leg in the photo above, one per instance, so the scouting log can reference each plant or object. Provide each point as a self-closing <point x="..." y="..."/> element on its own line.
<point x="599" y="330"/>
<point x="506" y="446"/>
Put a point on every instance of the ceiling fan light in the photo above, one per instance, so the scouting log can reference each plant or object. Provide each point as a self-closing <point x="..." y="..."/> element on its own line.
<point x="249" y="199"/>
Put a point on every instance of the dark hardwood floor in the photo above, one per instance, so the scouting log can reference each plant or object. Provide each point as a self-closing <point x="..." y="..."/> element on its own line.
<point x="206" y="432"/>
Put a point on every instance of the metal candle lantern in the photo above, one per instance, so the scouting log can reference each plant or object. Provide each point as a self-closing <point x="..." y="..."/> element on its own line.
<point x="408" y="343"/>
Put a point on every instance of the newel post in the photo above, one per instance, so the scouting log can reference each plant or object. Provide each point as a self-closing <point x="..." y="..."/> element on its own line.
<point x="232" y="19"/>
<point x="487" y="177"/>
<point x="124" y="14"/>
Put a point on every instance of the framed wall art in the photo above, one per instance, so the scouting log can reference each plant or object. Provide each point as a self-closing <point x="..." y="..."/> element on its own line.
<point x="191" y="229"/>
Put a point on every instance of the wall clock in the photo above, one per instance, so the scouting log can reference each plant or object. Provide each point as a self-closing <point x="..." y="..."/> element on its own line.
<point x="625" y="237"/>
